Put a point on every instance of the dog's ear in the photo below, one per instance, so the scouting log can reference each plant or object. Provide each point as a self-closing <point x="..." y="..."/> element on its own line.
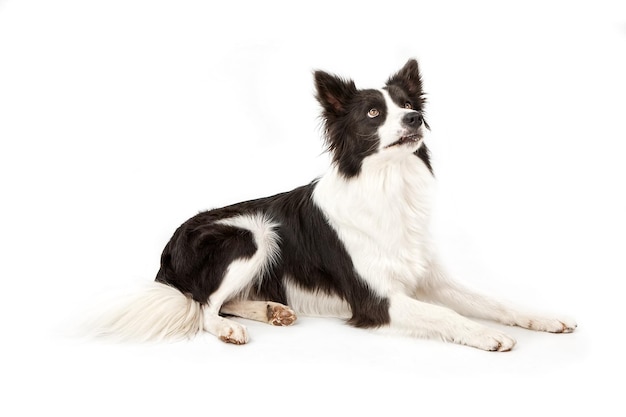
<point x="333" y="93"/>
<point x="409" y="79"/>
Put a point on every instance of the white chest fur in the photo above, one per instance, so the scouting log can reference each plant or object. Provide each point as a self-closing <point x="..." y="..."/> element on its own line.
<point x="382" y="218"/>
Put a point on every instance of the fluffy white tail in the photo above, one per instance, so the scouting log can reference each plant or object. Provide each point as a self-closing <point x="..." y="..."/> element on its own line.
<point x="156" y="313"/>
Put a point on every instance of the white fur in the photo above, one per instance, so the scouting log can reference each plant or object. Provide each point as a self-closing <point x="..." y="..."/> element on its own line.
<point x="315" y="303"/>
<point x="157" y="312"/>
<point x="392" y="129"/>
<point x="469" y="303"/>
<point x="241" y="272"/>
<point x="417" y="318"/>
<point x="240" y="275"/>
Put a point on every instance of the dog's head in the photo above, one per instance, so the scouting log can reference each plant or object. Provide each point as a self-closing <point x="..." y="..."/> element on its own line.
<point x="384" y="123"/>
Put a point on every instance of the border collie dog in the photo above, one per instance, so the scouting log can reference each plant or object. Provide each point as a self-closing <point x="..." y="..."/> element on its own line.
<point x="352" y="244"/>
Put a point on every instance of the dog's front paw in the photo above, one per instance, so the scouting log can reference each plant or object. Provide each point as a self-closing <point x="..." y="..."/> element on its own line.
<point x="550" y="325"/>
<point x="487" y="339"/>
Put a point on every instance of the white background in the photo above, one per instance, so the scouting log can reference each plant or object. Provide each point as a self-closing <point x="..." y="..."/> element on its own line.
<point x="120" y="119"/>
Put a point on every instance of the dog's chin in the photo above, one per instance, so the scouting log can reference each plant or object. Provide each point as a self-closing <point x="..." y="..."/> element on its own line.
<point x="412" y="141"/>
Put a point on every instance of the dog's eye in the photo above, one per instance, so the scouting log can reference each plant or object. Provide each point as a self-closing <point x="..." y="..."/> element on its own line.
<point x="408" y="105"/>
<point x="373" y="113"/>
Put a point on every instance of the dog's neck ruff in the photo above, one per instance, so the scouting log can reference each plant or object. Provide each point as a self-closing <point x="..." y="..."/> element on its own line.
<point x="389" y="179"/>
<point x="381" y="214"/>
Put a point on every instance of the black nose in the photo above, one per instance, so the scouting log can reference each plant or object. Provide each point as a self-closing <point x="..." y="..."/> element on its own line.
<point x="412" y="119"/>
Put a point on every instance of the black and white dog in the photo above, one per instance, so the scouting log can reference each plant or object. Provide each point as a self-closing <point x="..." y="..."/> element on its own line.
<point x="353" y="244"/>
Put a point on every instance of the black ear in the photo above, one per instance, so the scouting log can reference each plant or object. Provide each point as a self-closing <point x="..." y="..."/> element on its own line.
<point x="408" y="78"/>
<point x="333" y="92"/>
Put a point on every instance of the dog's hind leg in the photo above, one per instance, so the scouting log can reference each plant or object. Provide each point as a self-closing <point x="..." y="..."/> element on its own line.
<point x="264" y="311"/>
<point x="240" y="275"/>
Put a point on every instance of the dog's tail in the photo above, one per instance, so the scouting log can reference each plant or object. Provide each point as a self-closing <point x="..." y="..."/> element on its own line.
<point x="157" y="312"/>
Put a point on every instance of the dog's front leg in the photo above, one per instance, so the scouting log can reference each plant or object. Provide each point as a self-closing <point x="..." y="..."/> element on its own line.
<point x="421" y="319"/>
<point x="442" y="290"/>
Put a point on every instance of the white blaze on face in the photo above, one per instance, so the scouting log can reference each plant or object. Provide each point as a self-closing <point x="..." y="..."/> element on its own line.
<point x="393" y="128"/>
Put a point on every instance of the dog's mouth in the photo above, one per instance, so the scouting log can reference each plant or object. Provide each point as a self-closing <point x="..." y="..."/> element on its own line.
<point x="413" y="138"/>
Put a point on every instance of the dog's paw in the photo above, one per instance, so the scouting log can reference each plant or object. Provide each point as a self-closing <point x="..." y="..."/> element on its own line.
<point x="550" y="325"/>
<point x="280" y="315"/>
<point x="231" y="332"/>
<point x="487" y="339"/>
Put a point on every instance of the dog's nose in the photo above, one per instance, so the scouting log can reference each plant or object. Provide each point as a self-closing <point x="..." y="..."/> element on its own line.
<point x="412" y="119"/>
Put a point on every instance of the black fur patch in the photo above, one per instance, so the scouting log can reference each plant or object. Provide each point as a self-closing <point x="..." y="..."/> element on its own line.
<point x="197" y="256"/>
<point x="311" y="256"/>
<point x="408" y="81"/>
<point x="423" y="153"/>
